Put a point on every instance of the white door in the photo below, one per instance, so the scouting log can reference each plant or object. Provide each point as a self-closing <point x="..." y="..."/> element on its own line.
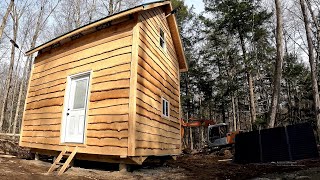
<point x="76" y="109"/>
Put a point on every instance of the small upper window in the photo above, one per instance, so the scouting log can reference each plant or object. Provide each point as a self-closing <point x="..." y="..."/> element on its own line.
<point x="162" y="39"/>
<point x="165" y="107"/>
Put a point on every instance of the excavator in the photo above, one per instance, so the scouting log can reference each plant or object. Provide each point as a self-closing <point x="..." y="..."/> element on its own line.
<point x="218" y="134"/>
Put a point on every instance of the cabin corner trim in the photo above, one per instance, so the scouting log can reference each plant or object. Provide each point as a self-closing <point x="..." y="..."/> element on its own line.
<point x="133" y="88"/>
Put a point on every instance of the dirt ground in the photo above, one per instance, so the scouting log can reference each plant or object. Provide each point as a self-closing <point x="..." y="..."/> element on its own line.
<point x="185" y="167"/>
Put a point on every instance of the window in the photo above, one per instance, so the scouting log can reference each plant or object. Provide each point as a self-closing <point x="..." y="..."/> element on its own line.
<point x="165" y="108"/>
<point x="162" y="39"/>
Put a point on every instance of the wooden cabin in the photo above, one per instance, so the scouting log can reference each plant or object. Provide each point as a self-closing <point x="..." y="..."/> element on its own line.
<point x="110" y="89"/>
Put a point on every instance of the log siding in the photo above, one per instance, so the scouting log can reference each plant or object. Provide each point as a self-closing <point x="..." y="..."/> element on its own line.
<point x="158" y="76"/>
<point x="107" y="54"/>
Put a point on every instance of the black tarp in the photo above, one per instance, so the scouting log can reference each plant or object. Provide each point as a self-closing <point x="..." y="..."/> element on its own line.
<point x="288" y="143"/>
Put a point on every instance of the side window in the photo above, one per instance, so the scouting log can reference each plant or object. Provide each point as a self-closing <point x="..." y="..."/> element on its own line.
<point x="165" y="107"/>
<point x="162" y="39"/>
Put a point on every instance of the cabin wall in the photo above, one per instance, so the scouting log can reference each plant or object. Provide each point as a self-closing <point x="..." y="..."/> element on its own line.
<point x="107" y="53"/>
<point x="158" y="76"/>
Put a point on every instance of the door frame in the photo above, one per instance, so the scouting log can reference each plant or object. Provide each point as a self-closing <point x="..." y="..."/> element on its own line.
<point x="65" y="106"/>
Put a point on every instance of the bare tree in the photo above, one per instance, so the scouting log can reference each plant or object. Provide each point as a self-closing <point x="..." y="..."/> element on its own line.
<point x="278" y="66"/>
<point x="5" y="17"/>
<point x="316" y="22"/>
<point x="15" y="26"/>
<point x="312" y="62"/>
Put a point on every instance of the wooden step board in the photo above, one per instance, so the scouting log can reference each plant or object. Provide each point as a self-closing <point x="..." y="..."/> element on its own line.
<point x="64" y="165"/>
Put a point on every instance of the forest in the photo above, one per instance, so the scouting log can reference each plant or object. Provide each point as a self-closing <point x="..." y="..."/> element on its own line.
<point x="253" y="64"/>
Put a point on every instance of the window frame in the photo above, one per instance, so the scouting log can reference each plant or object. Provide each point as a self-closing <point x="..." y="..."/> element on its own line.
<point x="165" y="108"/>
<point x="162" y="39"/>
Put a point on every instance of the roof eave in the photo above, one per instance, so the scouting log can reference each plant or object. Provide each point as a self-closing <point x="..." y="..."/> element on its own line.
<point x="177" y="40"/>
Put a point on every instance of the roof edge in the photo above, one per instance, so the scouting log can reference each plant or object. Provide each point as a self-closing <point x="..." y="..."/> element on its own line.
<point x="177" y="42"/>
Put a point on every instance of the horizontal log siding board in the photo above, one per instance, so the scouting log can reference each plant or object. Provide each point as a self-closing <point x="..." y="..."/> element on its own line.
<point x="156" y="152"/>
<point x="41" y="134"/>
<point x="107" y="134"/>
<point x="119" y="109"/>
<point x="152" y="34"/>
<point x="81" y="44"/>
<point x="104" y="86"/>
<point x="58" y="101"/>
<point x="44" y="110"/>
<point x="89" y="149"/>
<point x="108" y="103"/>
<point x="155" y="145"/>
<point x="141" y="136"/>
<point x="54" y="127"/>
<point x="118" y="126"/>
<point x="111" y="94"/>
<point x="111" y="71"/>
<point x="111" y="77"/>
<point x="36" y="122"/>
<point x="43" y="116"/>
<point x="45" y="140"/>
<point x="107" y="142"/>
<point x="92" y="119"/>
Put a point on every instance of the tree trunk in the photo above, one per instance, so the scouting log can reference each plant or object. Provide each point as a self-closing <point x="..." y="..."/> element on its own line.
<point x="250" y="82"/>
<point x="317" y="26"/>
<point x="9" y="76"/>
<point x="110" y="7"/>
<point x="312" y="64"/>
<point x="5" y="18"/>
<point x="278" y="66"/>
<point x="16" y="82"/>
<point x="238" y="114"/>
<point x="191" y="138"/>
<point x="234" y="113"/>
<point x="27" y="68"/>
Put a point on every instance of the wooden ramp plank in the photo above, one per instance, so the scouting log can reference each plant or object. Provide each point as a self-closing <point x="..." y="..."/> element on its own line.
<point x="70" y="158"/>
<point x="57" y="161"/>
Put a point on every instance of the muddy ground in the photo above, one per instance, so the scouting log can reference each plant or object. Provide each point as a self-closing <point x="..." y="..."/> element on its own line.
<point x="185" y="167"/>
